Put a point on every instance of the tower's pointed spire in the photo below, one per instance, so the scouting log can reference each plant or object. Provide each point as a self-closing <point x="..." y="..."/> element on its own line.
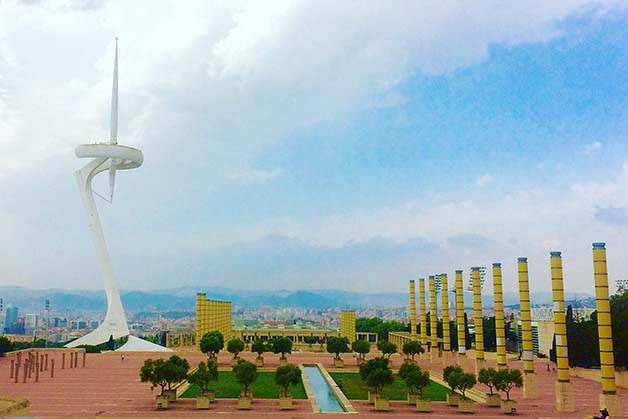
<point x="114" y="123"/>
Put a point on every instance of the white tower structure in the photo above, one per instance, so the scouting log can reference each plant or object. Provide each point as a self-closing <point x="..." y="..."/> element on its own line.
<point x="108" y="157"/>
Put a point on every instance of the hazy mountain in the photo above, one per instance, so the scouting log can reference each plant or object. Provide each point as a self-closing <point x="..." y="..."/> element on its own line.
<point x="183" y="298"/>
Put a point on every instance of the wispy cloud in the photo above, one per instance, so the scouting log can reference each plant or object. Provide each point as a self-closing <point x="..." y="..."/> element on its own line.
<point x="256" y="175"/>
<point x="485" y="179"/>
<point x="589" y="149"/>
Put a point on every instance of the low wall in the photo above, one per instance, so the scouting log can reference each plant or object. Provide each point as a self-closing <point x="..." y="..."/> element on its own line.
<point x="621" y="377"/>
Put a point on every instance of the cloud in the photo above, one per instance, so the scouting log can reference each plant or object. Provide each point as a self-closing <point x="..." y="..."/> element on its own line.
<point x="484" y="180"/>
<point x="592" y="148"/>
<point x="613" y="216"/>
<point x="253" y="175"/>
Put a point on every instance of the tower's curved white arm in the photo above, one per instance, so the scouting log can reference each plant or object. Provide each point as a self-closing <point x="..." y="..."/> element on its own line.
<point x="103" y="157"/>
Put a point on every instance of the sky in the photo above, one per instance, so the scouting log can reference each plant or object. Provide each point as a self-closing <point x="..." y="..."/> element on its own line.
<point x="316" y="144"/>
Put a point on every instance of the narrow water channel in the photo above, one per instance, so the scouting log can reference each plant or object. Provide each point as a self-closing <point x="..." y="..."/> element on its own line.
<point x="324" y="395"/>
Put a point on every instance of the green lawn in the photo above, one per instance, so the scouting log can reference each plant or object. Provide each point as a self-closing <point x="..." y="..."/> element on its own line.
<point x="354" y="388"/>
<point x="263" y="388"/>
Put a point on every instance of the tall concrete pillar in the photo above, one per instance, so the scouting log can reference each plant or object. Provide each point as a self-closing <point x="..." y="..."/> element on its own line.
<point x="422" y="318"/>
<point x="462" y="344"/>
<point x="433" y="320"/>
<point x="477" y="318"/>
<point x="413" y="334"/>
<point x="530" y="384"/>
<point x="564" y="392"/>
<point x="444" y="304"/>
<point x="608" y="398"/>
<point x="498" y="306"/>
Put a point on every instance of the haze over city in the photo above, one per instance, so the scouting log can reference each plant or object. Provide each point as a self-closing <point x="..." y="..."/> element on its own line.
<point x="283" y="150"/>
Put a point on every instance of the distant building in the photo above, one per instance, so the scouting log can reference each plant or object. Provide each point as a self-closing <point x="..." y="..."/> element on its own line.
<point x="31" y="321"/>
<point x="347" y="325"/>
<point x="11" y="316"/>
<point x="212" y="315"/>
<point x="542" y="337"/>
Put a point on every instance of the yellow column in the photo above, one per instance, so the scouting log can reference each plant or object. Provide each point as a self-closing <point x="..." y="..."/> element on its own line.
<point x="498" y="306"/>
<point x="413" y="334"/>
<point x="433" y="320"/>
<point x="462" y="345"/>
<point x="444" y="304"/>
<point x="608" y="398"/>
<point x="530" y="385"/>
<point x="477" y="319"/>
<point x="564" y="393"/>
<point x="422" y="318"/>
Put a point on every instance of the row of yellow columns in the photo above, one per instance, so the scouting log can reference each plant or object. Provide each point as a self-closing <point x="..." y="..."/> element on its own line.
<point x="564" y="393"/>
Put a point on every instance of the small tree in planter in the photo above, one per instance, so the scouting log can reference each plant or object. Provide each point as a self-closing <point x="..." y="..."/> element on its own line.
<point x="212" y="343"/>
<point x="336" y="345"/>
<point x="366" y="368"/>
<point x="488" y="376"/>
<point x="407" y="368"/>
<point x="417" y="380"/>
<point x="452" y="397"/>
<point x="286" y="376"/>
<point x="507" y="379"/>
<point x="164" y="373"/>
<point x="411" y="349"/>
<point x="387" y="348"/>
<point x="377" y="379"/>
<point x="202" y="378"/>
<point x="245" y="374"/>
<point x="259" y="347"/>
<point x="361" y="347"/>
<point x="282" y="345"/>
<point x="463" y="381"/>
<point x="310" y="340"/>
<point x="235" y="346"/>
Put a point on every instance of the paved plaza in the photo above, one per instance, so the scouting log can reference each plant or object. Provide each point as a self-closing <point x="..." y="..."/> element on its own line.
<point x="108" y="386"/>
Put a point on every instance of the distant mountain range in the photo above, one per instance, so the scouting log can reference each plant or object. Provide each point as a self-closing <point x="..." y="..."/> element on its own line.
<point x="183" y="299"/>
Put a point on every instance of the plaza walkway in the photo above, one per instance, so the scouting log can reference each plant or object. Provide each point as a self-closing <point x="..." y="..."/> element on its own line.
<point x="108" y="386"/>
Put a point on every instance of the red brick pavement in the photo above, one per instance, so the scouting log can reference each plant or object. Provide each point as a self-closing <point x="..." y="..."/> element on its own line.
<point x="109" y="387"/>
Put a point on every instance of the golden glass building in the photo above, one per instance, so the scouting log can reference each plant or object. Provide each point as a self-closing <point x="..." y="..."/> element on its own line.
<point x="212" y="315"/>
<point x="347" y="325"/>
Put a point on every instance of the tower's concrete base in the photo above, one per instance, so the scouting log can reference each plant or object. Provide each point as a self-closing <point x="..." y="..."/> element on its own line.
<point x="611" y="403"/>
<point x="564" y="397"/>
<point x="530" y="386"/>
<point x="479" y="364"/>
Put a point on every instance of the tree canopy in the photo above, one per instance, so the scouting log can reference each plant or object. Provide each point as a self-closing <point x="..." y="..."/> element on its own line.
<point x="245" y="374"/>
<point x="204" y="375"/>
<point x="379" y="377"/>
<point x="412" y="348"/>
<point x="488" y="377"/>
<point x="361" y="347"/>
<point x="460" y="380"/>
<point x="282" y="345"/>
<point x="259" y="347"/>
<point x="337" y="345"/>
<point x="506" y="379"/>
<point x="212" y="343"/>
<point x="235" y="346"/>
<point x="387" y="348"/>
<point x="379" y="326"/>
<point x="286" y="376"/>
<point x="164" y="373"/>
<point x="416" y="380"/>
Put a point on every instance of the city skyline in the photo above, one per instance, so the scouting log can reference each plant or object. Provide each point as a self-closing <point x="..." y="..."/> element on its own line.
<point x="322" y="155"/>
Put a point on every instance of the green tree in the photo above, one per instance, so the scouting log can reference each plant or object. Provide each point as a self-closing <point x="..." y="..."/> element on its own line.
<point x="447" y="371"/>
<point x="380" y="377"/>
<point x="506" y="379"/>
<point x="235" y="346"/>
<point x="204" y="375"/>
<point x="337" y="345"/>
<point x="370" y="365"/>
<point x="212" y="343"/>
<point x="416" y="380"/>
<point x="490" y="334"/>
<point x="379" y="326"/>
<point x="310" y="340"/>
<point x="5" y="345"/>
<point x="361" y="347"/>
<point x="286" y="376"/>
<point x="245" y="374"/>
<point x="387" y="348"/>
<point x="282" y="345"/>
<point x="164" y="373"/>
<point x="462" y="381"/>
<point x="488" y="377"/>
<point x="412" y="348"/>
<point x="406" y="368"/>
<point x="259" y="347"/>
